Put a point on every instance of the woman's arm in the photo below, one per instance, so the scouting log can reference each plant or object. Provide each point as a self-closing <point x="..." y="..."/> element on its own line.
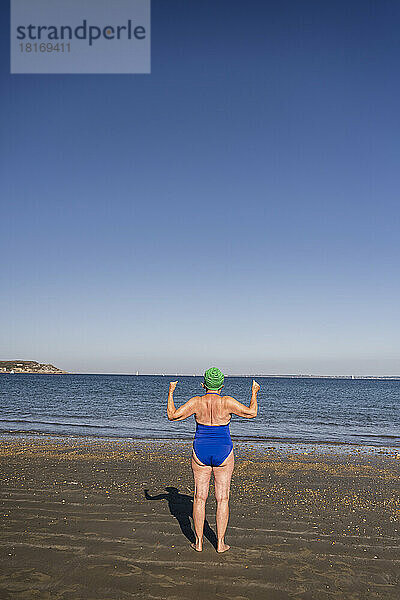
<point x="248" y="412"/>
<point x="184" y="411"/>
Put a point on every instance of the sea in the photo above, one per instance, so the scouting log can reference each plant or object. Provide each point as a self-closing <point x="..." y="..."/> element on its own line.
<point x="362" y="412"/>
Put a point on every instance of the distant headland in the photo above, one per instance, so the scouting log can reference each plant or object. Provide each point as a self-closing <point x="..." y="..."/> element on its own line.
<point x="28" y="366"/>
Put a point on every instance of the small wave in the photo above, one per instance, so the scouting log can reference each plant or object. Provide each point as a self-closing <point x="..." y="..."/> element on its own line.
<point x="61" y="424"/>
<point x="374" y="435"/>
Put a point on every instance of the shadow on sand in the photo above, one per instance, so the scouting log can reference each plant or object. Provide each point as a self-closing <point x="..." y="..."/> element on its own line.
<point x="181" y="507"/>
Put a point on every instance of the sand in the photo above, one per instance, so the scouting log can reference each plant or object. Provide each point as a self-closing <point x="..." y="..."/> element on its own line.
<point x="91" y="520"/>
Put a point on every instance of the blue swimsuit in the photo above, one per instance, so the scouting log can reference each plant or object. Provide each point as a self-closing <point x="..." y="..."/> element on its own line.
<point x="212" y="444"/>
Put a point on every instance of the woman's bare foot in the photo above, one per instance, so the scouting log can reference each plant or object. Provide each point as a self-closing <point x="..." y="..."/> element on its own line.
<point x="198" y="545"/>
<point x="222" y="547"/>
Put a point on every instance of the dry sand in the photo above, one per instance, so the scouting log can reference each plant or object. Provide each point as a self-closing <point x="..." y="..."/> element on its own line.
<point x="78" y="524"/>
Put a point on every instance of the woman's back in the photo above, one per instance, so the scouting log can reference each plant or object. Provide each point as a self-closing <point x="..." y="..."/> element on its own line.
<point x="212" y="409"/>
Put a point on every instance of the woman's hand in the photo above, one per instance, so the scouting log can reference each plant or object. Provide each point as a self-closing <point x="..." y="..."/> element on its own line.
<point x="172" y="385"/>
<point x="255" y="387"/>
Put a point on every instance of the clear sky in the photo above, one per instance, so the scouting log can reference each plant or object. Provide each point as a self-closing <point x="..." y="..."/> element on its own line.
<point x="238" y="207"/>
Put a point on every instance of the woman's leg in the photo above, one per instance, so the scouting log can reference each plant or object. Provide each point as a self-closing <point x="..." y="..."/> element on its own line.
<point x="201" y="474"/>
<point x="222" y="480"/>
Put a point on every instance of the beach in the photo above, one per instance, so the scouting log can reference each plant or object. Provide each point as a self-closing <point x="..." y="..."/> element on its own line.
<point x="86" y="519"/>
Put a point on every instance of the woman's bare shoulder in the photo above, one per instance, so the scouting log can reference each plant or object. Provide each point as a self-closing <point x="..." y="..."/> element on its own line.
<point x="195" y="399"/>
<point x="228" y="399"/>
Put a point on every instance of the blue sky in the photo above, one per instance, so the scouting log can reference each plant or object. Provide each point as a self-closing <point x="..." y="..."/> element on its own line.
<point x="239" y="206"/>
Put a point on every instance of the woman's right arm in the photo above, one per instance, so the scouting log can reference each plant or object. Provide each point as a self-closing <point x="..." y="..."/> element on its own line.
<point x="248" y="412"/>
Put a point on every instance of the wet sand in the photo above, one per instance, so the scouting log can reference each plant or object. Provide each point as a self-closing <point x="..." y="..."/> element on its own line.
<point x="95" y="520"/>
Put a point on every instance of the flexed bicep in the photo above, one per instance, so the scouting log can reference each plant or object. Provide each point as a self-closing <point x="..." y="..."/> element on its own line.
<point x="186" y="410"/>
<point x="241" y="410"/>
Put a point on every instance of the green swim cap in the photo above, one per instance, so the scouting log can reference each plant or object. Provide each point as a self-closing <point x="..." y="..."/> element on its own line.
<point x="213" y="379"/>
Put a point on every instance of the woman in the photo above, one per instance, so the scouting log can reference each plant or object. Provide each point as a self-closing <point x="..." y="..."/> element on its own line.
<point x="212" y="447"/>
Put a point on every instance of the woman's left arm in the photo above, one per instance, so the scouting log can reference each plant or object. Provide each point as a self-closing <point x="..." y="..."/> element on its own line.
<point x="184" y="411"/>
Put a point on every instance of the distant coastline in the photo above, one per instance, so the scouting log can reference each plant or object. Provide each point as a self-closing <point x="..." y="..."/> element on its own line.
<point x="28" y="366"/>
<point x="31" y="366"/>
<point x="266" y="376"/>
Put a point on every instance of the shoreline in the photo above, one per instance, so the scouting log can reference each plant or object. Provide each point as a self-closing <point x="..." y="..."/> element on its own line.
<point x="242" y="448"/>
<point x="267" y="442"/>
<point x="93" y="519"/>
